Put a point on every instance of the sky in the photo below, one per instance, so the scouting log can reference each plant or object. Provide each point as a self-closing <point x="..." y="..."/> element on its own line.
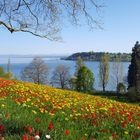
<point x="121" y="25"/>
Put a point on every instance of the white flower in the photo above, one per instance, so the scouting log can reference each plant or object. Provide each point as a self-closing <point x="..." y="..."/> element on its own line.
<point x="37" y="137"/>
<point x="48" y="136"/>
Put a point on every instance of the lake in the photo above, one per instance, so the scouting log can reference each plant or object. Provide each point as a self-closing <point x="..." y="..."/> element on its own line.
<point x="19" y="63"/>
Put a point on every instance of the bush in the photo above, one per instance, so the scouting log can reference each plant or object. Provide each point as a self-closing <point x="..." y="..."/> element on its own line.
<point x="121" y="88"/>
<point x="133" y="95"/>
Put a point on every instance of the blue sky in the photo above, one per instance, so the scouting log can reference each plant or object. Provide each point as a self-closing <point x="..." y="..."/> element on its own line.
<point x="121" y="24"/>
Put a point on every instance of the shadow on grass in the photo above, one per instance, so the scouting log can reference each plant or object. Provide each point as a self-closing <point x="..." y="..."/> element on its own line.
<point x="115" y="96"/>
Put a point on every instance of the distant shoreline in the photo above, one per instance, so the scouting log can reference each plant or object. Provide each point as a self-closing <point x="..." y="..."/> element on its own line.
<point x="96" y="56"/>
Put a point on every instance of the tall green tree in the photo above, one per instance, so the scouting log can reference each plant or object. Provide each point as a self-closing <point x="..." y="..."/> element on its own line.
<point x="104" y="71"/>
<point x="73" y="79"/>
<point x="79" y="64"/>
<point x="85" y="80"/>
<point x="134" y="68"/>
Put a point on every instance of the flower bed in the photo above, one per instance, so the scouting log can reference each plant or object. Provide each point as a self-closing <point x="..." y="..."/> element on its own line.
<point x="29" y="111"/>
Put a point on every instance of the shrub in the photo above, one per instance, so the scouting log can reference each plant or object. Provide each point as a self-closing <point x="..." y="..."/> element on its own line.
<point x="121" y="88"/>
<point x="133" y="95"/>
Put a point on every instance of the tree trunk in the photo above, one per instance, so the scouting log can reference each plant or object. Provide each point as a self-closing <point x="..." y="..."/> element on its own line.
<point x="103" y="87"/>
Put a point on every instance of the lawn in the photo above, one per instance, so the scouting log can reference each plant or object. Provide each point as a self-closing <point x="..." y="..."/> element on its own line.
<point x="29" y="111"/>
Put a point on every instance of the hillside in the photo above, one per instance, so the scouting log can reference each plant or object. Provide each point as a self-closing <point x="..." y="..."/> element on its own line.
<point x="96" y="56"/>
<point x="37" y="111"/>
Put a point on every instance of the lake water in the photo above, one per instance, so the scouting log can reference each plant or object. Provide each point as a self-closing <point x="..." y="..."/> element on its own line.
<point x="19" y="63"/>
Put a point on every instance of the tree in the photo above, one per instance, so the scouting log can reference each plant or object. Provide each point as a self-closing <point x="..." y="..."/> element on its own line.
<point x="117" y="71"/>
<point x="44" y="18"/>
<point x="3" y="74"/>
<point x="85" y="80"/>
<point x="104" y="71"/>
<point x="61" y="76"/>
<point x="36" y="72"/>
<point x="79" y="64"/>
<point x="72" y="82"/>
<point x="134" y="69"/>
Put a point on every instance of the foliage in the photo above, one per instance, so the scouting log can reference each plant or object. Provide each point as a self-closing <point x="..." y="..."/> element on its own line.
<point x="36" y="72"/>
<point x="61" y="76"/>
<point x="29" y="110"/>
<point x="134" y="68"/>
<point x="96" y="56"/>
<point x="3" y="74"/>
<point x="79" y="64"/>
<point x="44" y="18"/>
<point x="133" y="95"/>
<point x="72" y="82"/>
<point x="73" y="79"/>
<point x="121" y="88"/>
<point x="85" y="80"/>
<point x="104" y="71"/>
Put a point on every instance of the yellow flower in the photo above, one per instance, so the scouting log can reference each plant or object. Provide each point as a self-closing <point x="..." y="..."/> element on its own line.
<point x="126" y="132"/>
<point x="3" y="105"/>
<point x="34" y="111"/>
<point x="103" y="109"/>
<point x="18" y="103"/>
<point x="66" y="119"/>
<point x="24" y="104"/>
<point x="28" y="99"/>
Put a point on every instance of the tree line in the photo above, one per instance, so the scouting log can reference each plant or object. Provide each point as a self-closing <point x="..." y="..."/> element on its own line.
<point x="96" y="56"/>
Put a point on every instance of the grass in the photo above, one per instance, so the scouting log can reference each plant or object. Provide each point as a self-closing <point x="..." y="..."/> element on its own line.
<point x="29" y="110"/>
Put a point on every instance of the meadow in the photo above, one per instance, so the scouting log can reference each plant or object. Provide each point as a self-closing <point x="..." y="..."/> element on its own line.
<point x="29" y="111"/>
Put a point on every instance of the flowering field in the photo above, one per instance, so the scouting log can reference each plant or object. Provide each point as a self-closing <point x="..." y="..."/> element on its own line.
<point x="29" y="111"/>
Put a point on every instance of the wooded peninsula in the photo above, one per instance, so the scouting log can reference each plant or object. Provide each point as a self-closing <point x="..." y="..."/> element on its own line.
<point x="96" y="56"/>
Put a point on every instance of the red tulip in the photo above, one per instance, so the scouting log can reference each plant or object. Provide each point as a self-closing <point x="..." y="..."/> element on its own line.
<point x="1" y="130"/>
<point x="30" y="130"/>
<point x="31" y="138"/>
<point x="24" y="137"/>
<point x="37" y="132"/>
<point x="50" y="126"/>
<point x="67" y="132"/>
<point x="37" y="120"/>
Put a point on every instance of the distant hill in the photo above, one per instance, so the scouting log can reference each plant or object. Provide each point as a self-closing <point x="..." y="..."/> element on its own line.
<point x="96" y="56"/>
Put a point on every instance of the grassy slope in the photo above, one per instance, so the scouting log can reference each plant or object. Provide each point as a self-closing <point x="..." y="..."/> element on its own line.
<point x="26" y="108"/>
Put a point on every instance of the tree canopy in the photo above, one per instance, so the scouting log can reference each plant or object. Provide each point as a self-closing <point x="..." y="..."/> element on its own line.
<point x="61" y="76"/>
<point x="85" y="80"/>
<point x="36" y="72"/>
<point x="134" y="68"/>
<point x="44" y="18"/>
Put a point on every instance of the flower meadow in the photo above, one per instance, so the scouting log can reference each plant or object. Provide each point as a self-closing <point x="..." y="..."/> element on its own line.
<point x="31" y="112"/>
